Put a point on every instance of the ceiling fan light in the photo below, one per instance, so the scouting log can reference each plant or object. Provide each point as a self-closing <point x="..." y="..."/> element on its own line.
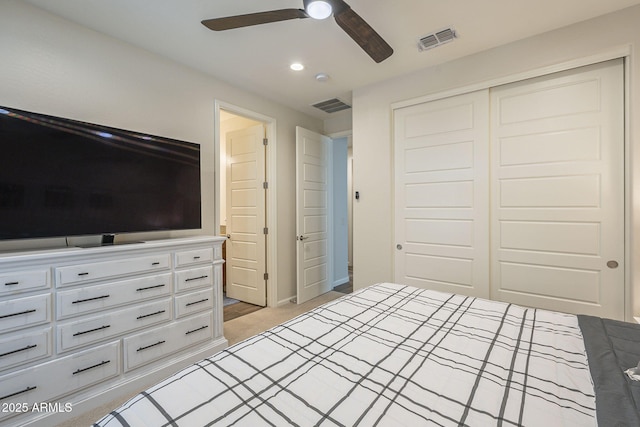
<point x="319" y="9"/>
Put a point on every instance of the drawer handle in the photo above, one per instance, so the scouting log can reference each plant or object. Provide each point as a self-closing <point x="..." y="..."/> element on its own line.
<point x="196" y="257"/>
<point x="196" y="278"/>
<point x="149" y="346"/>
<point x="29" y="347"/>
<point x="18" y="314"/>
<point x="92" y="330"/>
<point x="150" y="314"/>
<point x="83" y="274"/>
<point x="18" y="392"/>
<point x="90" y="299"/>
<point x="155" y="263"/>
<point x="196" y="302"/>
<point x="11" y="283"/>
<point x="97" y="365"/>
<point x="149" y="287"/>
<point x="196" y="330"/>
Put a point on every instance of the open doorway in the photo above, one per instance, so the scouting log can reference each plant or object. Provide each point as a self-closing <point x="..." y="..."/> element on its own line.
<point x="245" y="188"/>
<point x="342" y="208"/>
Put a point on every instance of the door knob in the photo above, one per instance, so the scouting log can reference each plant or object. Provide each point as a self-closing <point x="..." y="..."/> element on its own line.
<point x="303" y="238"/>
<point x="399" y="247"/>
<point x="612" y="264"/>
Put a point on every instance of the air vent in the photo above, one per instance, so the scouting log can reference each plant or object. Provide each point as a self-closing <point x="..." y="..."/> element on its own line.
<point x="436" y="39"/>
<point x="331" y="105"/>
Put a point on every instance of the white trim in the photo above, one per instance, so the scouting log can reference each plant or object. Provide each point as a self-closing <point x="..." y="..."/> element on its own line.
<point x="629" y="217"/>
<point x="272" y="200"/>
<point x="341" y="281"/>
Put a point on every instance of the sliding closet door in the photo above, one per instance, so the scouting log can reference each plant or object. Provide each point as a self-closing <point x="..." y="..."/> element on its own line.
<point x="558" y="191"/>
<point x="441" y="188"/>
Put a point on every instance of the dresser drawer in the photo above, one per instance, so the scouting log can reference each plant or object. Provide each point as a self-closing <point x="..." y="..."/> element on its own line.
<point x="196" y="256"/>
<point x="73" y="274"/>
<point x="99" y="297"/>
<point x="159" y="342"/>
<point x="20" y="281"/>
<point x="59" y="377"/>
<point x="92" y="329"/>
<point x="194" y="302"/>
<point x="194" y="278"/>
<point x="24" y="348"/>
<point x="24" y="312"/>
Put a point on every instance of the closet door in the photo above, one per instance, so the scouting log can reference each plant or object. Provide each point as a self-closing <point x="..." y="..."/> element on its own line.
<point x="441" y="195"/>
<point x="558" y="191"/>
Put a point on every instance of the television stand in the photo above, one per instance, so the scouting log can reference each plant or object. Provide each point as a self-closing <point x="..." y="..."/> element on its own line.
<point x="82" y="328"/>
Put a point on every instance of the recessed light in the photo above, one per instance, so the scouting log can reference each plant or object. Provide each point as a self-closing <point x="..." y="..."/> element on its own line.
<point x="296" y="66"/>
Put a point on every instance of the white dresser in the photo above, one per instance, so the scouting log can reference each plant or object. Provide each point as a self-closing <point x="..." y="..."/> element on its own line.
<point x="80" y="327"/>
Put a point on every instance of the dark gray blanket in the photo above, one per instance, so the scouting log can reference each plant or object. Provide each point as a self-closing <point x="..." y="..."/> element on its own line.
<point x="612" y="348"/>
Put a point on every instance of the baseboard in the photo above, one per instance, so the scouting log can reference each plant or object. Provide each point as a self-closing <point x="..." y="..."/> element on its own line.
<point x="341" y="281"/>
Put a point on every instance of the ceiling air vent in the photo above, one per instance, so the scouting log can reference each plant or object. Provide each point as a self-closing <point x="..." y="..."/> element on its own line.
<point x="436" y="39"/>
<point x="331" y="105"/>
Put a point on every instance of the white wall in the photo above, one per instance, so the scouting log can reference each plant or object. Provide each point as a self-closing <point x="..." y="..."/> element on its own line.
<point x="372" y="132"/>
<point x="340" y="213"/>
<point x="56" y="67"/>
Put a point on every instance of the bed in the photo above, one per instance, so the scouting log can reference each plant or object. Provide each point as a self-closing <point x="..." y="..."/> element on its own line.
<point x="394" y="355"/>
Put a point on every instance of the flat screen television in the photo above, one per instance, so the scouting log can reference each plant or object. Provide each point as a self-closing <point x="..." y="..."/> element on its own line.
<point x="61" y="177"/>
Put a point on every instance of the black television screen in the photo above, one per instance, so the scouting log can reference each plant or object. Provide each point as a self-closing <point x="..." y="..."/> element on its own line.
<point x="61" y="177"/>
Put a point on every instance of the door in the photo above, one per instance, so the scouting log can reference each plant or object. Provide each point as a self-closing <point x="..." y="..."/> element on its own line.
<point x="441" y="187"/>
<point x="246" y="215"/>
<point x="554" y="202"/>
<point x="558" y="191"/>
<point x="313" y="214"/>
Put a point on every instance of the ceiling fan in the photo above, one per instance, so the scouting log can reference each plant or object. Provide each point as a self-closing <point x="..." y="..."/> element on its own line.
<point x="347" y="19"/>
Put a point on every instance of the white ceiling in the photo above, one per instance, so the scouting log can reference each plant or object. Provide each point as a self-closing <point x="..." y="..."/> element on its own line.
<point x="258" y="58"/>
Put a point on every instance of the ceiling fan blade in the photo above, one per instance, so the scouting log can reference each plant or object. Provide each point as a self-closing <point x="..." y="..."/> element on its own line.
<point x="239" y="21"/>
<point x="362" y="33"/>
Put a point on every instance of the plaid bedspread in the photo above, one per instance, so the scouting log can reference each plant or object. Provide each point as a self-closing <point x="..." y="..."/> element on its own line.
<point x="389" y="355"/>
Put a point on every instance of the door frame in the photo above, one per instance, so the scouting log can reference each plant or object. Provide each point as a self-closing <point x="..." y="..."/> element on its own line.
<point x="620" y="52"/>
<point x="271" y="208"/>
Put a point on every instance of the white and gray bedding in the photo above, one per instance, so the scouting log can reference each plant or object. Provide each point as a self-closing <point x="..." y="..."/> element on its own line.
<point x="394" y="355"/>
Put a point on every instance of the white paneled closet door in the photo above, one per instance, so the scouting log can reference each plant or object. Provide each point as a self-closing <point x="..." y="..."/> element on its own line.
<point x="517" y="193"/>
<point x="558" y="191"/>
<point x="441" y="195"/>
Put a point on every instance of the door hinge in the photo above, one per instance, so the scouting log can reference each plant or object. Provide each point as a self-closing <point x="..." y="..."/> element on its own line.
<point x="265" y="141"/>
<point x="265" y="230"/>
<point x="266" y="276"/>
<point x="265" y="185"/>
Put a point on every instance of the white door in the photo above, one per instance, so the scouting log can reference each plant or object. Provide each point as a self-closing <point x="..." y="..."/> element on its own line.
<point x="558" y="191"/>
<point x="246" y="220"/>
<point x="441" y="188"/>
<point x="313" y="220"/>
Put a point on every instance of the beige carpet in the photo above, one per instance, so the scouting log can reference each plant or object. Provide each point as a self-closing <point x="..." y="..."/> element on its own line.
<point x="235" y="331"/>
<point x="241" y="328"/>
